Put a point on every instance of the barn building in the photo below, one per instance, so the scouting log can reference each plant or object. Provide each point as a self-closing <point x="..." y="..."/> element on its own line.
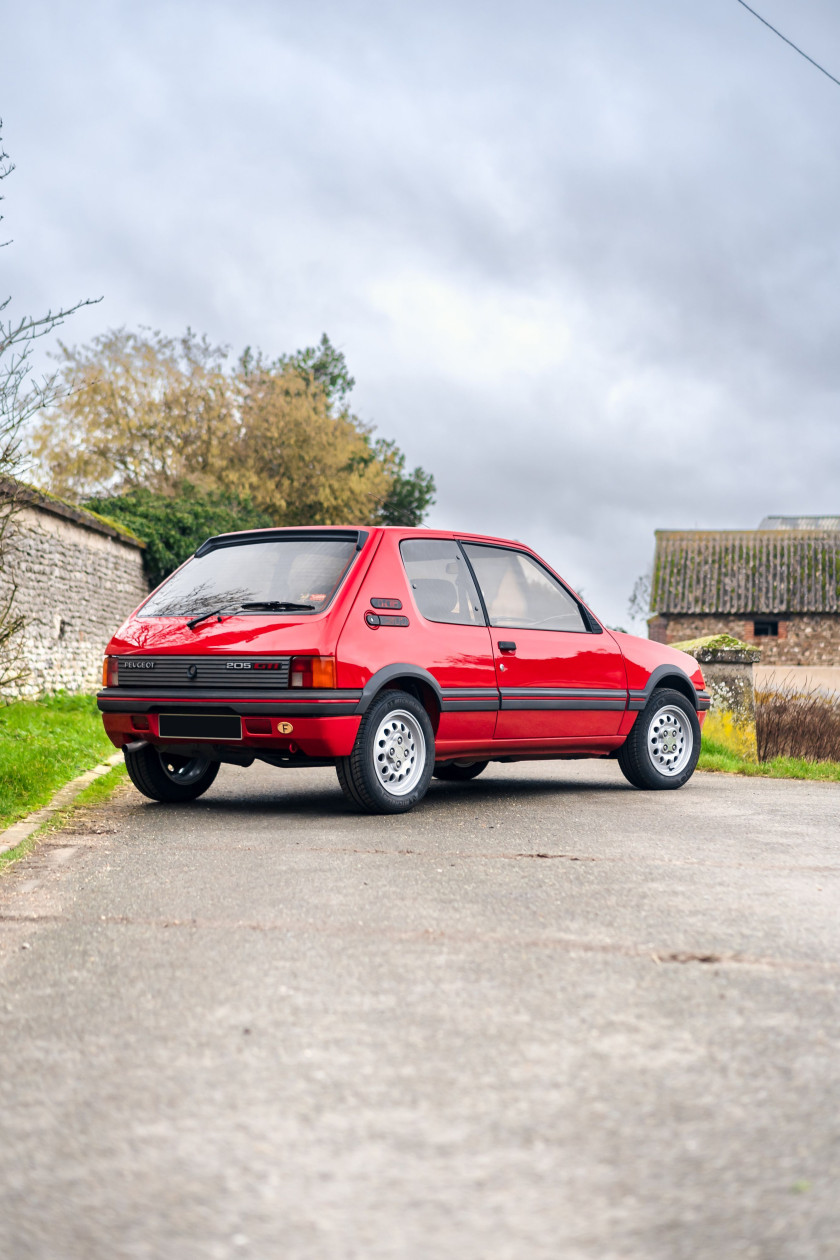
<point x="777" y="586"/>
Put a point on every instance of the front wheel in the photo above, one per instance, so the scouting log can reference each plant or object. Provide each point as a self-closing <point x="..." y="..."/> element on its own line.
<point x="662" y="748"/>
<point x="167" y="776"/>
<point x="390" y="767"/>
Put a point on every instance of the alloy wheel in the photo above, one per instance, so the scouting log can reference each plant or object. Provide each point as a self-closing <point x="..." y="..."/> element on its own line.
<point x="670" y="740"/>
<point x="399" y="752"/>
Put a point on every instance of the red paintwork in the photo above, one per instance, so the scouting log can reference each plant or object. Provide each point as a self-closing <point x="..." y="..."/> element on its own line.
<point x="316" y="737"/>
<point x="643" y="656"/>
<point x="456" y="656"/>
<point x="557" y="658"/>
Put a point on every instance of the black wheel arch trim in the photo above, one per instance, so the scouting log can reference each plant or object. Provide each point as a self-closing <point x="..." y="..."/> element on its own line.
<point x="640" y="697"/>
<point x="387" y="674"/>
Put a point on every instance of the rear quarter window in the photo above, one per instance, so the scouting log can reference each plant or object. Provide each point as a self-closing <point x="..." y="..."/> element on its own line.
<point x="441" y="582"/>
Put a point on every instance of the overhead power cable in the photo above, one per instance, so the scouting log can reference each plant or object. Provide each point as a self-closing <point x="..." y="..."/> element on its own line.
<point x="789" y="41"/>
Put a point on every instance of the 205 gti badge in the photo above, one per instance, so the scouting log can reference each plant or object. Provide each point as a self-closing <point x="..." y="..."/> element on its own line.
<point x="255" y="665"/>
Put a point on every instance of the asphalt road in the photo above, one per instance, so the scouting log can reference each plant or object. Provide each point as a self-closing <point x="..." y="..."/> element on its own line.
<point x="545" y="1015"/>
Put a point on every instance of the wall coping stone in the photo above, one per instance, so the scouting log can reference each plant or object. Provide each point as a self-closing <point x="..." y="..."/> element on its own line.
<point x="45" y="502"/>
<point x="722" y="649"/>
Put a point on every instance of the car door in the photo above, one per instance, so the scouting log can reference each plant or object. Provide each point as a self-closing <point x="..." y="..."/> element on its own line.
<point x="451" y="640"/>
<point x="559" y="677"/>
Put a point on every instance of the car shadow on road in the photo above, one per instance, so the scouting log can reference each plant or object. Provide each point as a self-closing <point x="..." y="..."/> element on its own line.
<point x="326" y="803"/>
<point x="521" y="789"/>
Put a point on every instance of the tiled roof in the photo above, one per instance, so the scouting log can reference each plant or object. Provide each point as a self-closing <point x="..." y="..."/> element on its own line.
<point x="746" y="571"/>
<point x="800" y="522"/>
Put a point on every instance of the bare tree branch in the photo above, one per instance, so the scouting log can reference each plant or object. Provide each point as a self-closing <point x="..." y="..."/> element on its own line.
<point x="21" y="396"/>
<point x="638" y="607"/>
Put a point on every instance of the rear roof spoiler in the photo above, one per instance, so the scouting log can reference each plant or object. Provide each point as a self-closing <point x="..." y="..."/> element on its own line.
<point x="359" y="536"/>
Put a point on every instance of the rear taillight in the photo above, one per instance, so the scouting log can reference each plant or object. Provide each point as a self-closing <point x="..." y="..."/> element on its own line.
<point x="110" y="672"/>
<point x="312" y="671"/>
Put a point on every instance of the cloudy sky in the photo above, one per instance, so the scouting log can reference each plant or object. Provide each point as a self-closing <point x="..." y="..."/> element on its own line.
<point x="582" y="257"/>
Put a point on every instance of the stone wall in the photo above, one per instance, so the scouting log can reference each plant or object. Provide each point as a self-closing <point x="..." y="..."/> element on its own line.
<point x="804" y="638"/>
<point x="728" y="666"/>
<point x="729" y="674"/>
<point x="77" y="580"/>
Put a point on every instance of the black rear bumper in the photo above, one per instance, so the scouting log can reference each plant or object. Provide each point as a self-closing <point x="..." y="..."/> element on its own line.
<point x="287" y="703"/>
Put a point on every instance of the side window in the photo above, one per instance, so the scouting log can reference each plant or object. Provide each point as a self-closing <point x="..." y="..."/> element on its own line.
<point x="440" y="581"/>
<point x="519" y="593"/>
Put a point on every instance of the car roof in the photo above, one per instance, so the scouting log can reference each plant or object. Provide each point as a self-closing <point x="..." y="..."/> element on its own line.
<point x="404" y="531"/>
<point x="464" y="534"/>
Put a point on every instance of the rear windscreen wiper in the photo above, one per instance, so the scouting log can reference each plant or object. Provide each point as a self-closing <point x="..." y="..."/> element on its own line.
<point x="277" y="605"/>
<point x="216" y="612"/>
<point x="262" y="605"/>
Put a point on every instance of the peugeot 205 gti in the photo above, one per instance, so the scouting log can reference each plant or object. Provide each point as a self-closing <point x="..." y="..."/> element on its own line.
<point x="393" y="655"/>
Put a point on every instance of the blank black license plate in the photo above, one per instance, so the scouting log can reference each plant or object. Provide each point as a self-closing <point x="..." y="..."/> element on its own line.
<point x="200" y="726"/>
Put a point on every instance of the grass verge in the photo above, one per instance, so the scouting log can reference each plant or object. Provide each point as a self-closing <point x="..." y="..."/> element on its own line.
<point x="715" y="755"/>
<point x="43" y="745"/>
<point x="94" y="794"/>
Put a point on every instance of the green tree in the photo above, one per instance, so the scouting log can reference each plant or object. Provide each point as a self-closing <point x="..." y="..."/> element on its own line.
<point x="326" y="368"/>
<point x="139" y="409"/>
<point x="173" y="525"/>
<point x="298" y="456"/>
<point x="147" y="411"/>
<point x="410" y="494"/>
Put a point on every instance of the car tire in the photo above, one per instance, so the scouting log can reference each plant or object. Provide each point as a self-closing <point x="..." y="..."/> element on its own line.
<point x="459" y="771"/>
<point x="663" y="746"/>
<point x="390" y="767"/>
<point x="165" y="776"/>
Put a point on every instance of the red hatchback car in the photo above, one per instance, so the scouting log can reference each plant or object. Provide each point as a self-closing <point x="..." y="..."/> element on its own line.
<point x="393" y="655"/>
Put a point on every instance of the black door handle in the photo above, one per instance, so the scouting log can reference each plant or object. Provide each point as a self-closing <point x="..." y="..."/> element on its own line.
<point x="506" y="646"/>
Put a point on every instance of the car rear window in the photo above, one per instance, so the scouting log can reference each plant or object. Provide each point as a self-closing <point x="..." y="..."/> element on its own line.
<point x="306" y="571"/>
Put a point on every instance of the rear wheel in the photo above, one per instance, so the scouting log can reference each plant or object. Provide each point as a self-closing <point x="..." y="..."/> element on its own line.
<point x="390" y="767"/>
<point x="662" y="748"/>
<point x="459" y="771"/>
<point x="166" y="776"/>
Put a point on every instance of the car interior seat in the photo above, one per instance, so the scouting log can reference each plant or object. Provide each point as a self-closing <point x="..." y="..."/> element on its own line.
<point x="436" y="598"/>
